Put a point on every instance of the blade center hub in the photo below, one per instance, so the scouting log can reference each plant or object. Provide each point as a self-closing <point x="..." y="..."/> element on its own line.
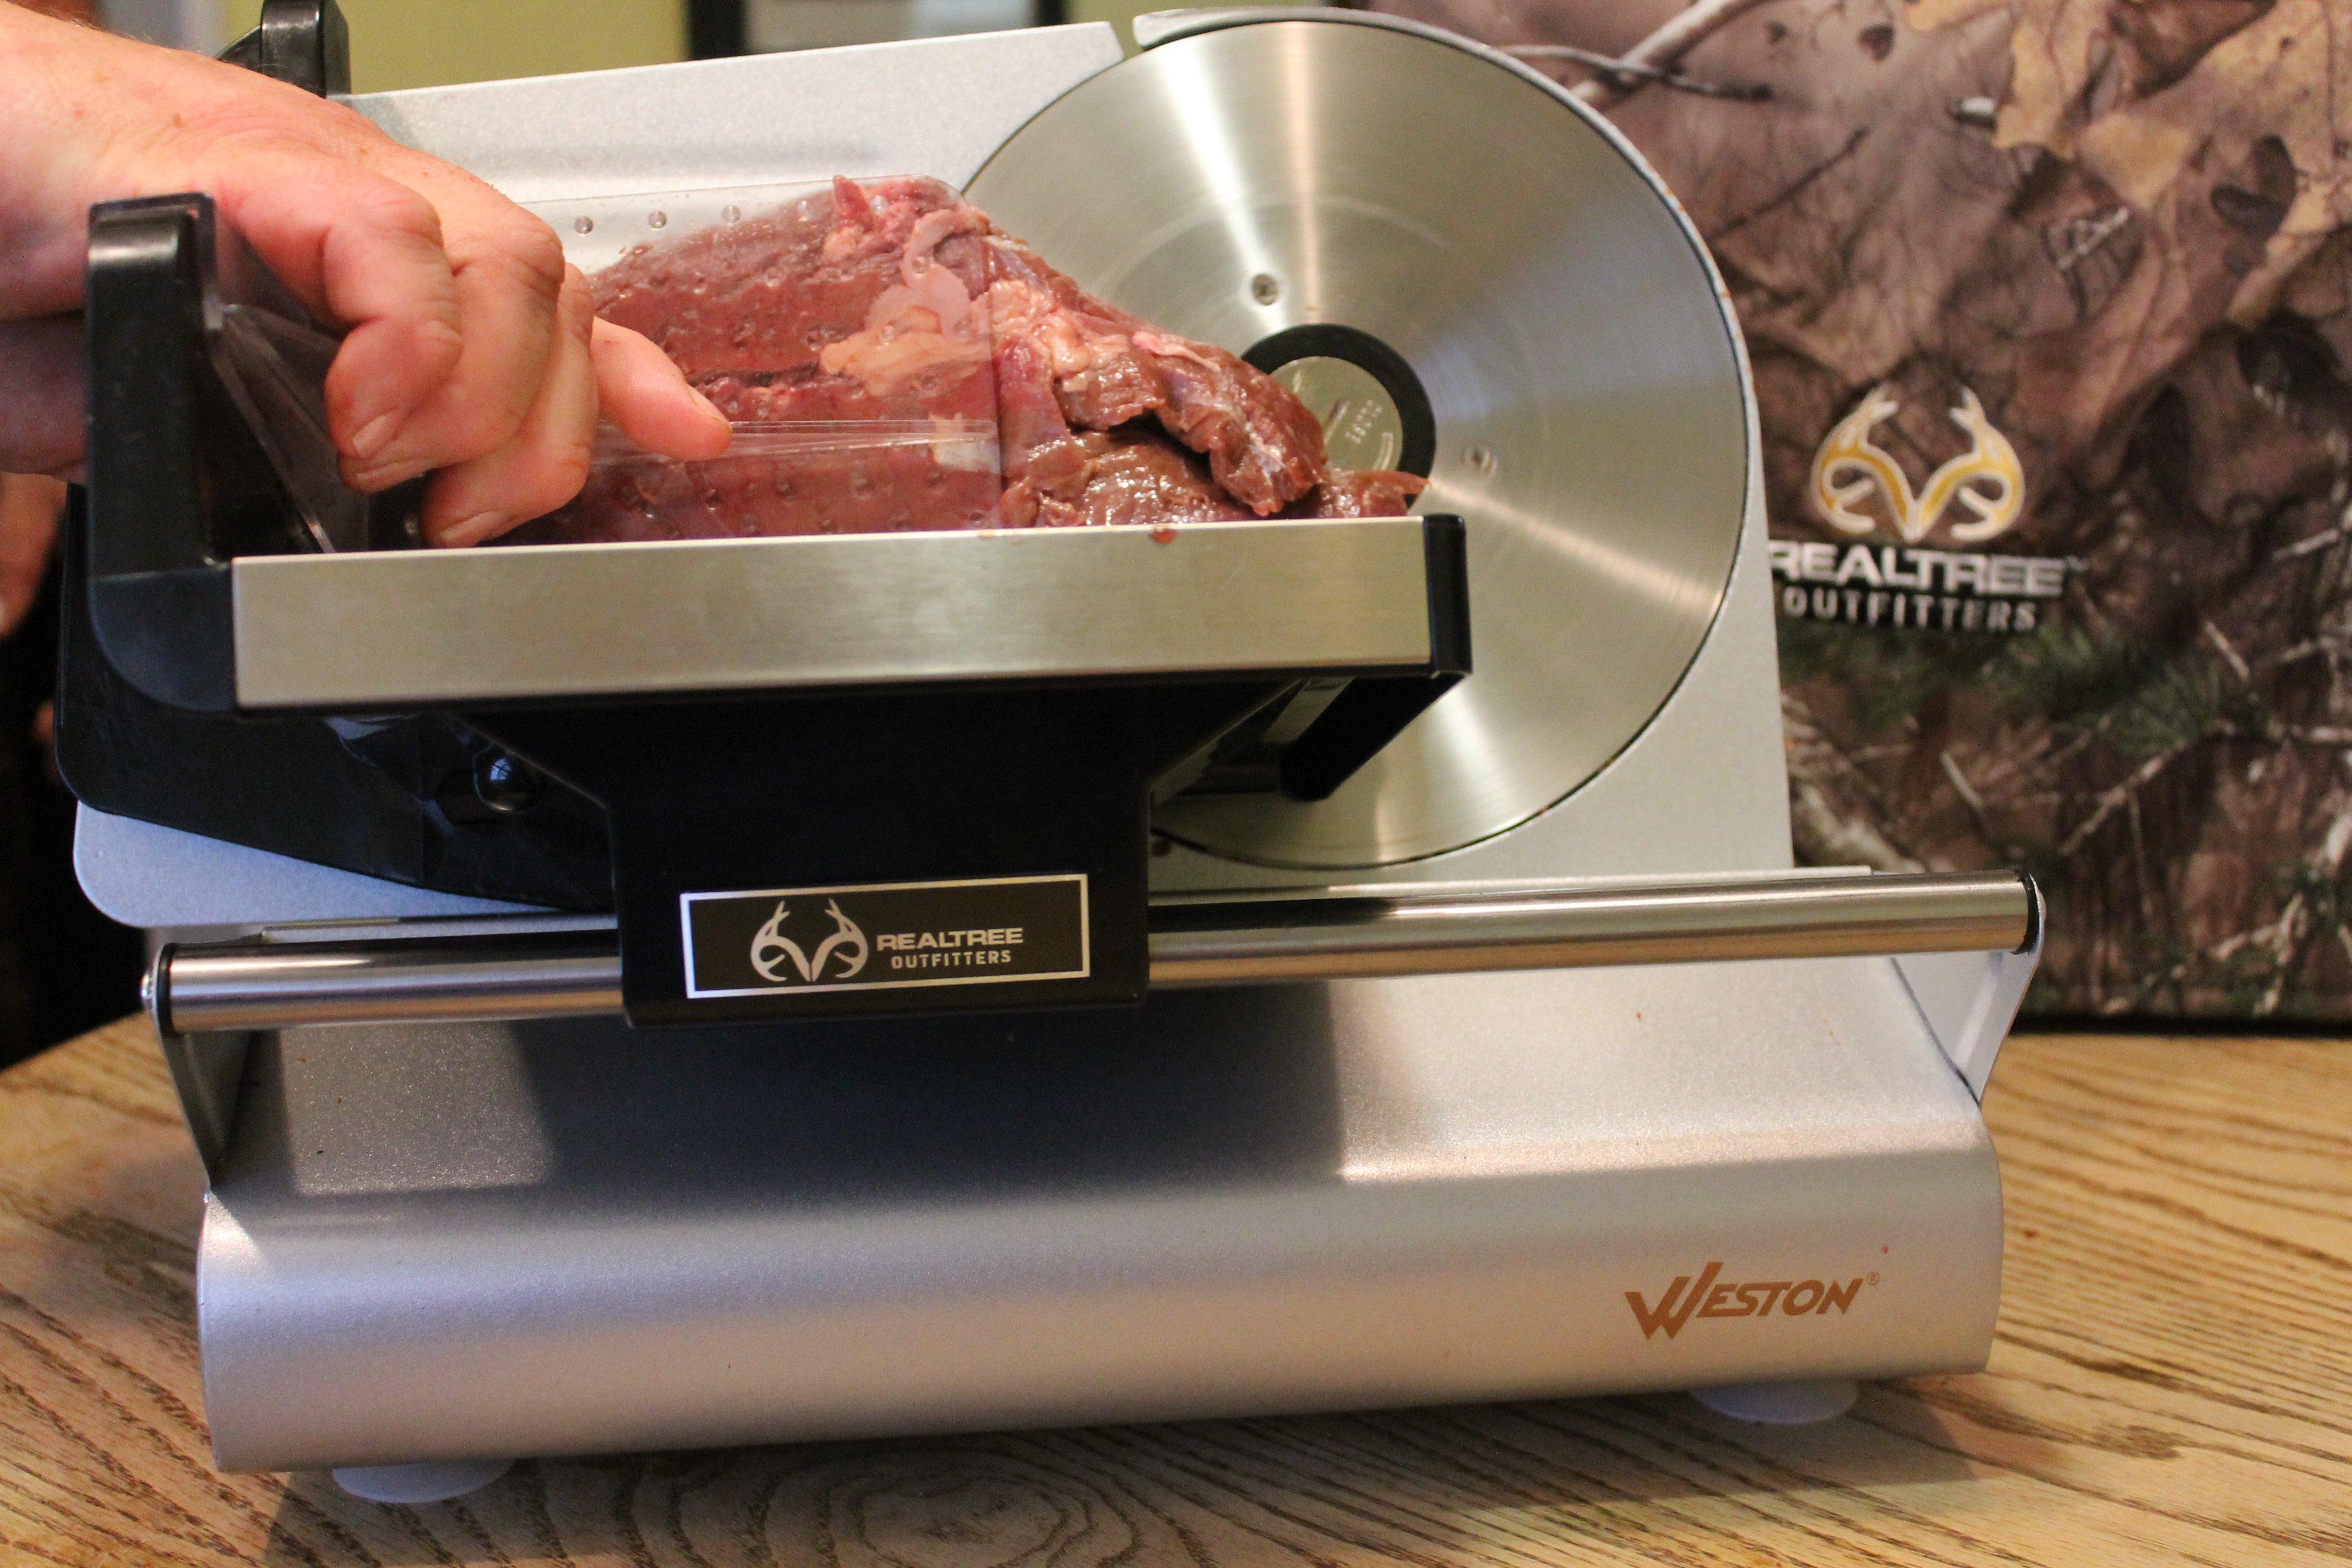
<point x="1372" y="408"/>
<point x="1361" y="428"/>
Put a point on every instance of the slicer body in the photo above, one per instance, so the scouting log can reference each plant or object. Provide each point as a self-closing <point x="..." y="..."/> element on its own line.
<point x="484" y="1239"/>
<point x="497" y="1240"/>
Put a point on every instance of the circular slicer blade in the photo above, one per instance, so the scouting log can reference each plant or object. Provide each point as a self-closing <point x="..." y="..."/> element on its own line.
<point x="1591" y="423"/>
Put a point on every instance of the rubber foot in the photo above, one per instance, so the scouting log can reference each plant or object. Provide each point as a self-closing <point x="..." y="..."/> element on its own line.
<point x="420" y="1483"/>
<point x="1782" y="1404"/>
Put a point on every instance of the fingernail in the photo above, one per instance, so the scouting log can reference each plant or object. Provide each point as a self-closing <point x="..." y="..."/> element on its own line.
<point x="696" y="393"/>
<point x="472" y="530"/>
<point x="389" y="475"/>
<point x="374" y="436"/>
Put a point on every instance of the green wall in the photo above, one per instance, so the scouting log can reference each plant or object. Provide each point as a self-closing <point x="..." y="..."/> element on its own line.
<point x="425" y="43"/>
<point x="1121" y="14"/>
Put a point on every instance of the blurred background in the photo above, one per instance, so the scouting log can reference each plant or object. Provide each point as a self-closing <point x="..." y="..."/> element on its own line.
<point x="425" y="43"/>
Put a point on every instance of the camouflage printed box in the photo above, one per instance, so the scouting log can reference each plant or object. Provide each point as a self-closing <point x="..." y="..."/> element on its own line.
<point x="2050" y="303"/>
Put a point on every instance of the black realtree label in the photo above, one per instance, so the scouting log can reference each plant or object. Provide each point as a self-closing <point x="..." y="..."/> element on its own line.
<point x="883" y="934"/>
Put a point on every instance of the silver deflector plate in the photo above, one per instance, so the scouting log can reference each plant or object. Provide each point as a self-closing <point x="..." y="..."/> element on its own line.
<point x="503" y="1240"/>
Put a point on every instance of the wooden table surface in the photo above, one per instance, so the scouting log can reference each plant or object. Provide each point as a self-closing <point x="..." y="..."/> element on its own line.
<point x="2172" y="1382"/>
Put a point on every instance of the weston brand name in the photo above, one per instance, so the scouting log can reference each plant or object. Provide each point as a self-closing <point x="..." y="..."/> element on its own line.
<point x="881" y="934"/>
<point x="1709" y="1296"/>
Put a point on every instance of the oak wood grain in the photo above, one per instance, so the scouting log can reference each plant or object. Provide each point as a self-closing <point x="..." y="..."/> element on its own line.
<point x="2173" y="1384"/>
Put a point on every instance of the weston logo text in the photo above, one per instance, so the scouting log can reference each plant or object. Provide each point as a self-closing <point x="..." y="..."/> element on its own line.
<point x="1707" y="1297"/>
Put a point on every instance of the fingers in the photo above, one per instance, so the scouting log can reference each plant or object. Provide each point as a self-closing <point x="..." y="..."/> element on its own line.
<point x="364" y="252"/>
<point x="448" y="296"/>
<point x="594" y="365"/>
<point x="545" y="461"/>
<point x="455" y="344"/>
<point x="470" y="348"/>
<point x="40" y="395"/>
<point x="446" y="292"/>
<point x="29" y="508"/>
<point x="507" y="270"/>
<point x="646" y="396"/>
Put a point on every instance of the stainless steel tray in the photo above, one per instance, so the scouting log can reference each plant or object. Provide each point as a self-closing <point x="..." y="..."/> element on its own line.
<point x="422" y="628"/>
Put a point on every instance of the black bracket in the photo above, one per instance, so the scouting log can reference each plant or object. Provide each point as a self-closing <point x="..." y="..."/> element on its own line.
<point x="164" y="463"/>
<point x="302" y="42"/>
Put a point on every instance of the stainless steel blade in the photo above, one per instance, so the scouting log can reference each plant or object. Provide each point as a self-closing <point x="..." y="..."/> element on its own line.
<point x="1556" y="308"/>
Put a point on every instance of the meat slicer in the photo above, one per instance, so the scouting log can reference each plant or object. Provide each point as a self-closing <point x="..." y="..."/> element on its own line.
<point x="645" y="995"/>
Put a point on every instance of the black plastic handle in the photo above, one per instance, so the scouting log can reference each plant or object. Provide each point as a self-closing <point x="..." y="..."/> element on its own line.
<point x="160" y="460"/>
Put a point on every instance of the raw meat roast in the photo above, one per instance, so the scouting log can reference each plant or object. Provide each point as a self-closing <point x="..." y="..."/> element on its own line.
<point x="894" y="361"/>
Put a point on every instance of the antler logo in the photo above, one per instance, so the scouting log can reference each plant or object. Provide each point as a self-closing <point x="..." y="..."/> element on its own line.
<point x="771" y="949"/>
<point x="1986" y="479"/>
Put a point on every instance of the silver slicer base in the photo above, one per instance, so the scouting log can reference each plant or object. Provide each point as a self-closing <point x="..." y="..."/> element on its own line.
<point x="482" y="1241"/>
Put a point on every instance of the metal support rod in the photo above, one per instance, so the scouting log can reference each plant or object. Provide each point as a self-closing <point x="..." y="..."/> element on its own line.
<point x="404" y="979"/>
<point x="1272" y="939"/>
<point x="1212" y="940"/>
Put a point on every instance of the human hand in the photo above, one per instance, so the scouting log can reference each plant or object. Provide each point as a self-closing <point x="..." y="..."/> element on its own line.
<point x="29" y="508"/>
<point x="470" y="350"/>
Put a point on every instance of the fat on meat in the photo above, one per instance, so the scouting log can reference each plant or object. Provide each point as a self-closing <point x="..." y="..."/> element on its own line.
<point x="897" y="305"/>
